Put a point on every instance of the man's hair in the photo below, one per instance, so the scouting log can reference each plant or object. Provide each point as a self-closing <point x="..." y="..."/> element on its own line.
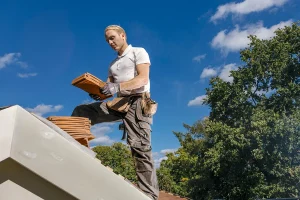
<point x="117" y="28"/>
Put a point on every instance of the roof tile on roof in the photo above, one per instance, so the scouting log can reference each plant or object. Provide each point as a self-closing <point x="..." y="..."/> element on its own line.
<point x="169" y="196"/>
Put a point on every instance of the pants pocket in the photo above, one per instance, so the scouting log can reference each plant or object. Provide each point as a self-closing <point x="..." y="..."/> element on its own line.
<point x="139" y="114"/>
<point x="145" y="126"/>
<point x="141" y="145"/>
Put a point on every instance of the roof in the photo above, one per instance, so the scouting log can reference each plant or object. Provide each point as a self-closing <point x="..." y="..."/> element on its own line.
<point x="169" y="196"/>
<point x="32" y="148"/>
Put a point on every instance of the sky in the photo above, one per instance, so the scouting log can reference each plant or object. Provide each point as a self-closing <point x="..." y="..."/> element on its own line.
<point x="44" y="45"/>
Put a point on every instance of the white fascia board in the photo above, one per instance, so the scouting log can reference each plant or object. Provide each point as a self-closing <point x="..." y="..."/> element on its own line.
<point x="7" y="123"/>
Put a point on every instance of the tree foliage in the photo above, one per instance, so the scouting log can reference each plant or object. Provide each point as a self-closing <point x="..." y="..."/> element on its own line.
<point x="118" y="157"/>
<point x="249" y="146"/>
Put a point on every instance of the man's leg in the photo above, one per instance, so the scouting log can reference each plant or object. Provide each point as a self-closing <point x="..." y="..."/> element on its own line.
<point x="139" y="138"/>
<point x="97" y="112"/>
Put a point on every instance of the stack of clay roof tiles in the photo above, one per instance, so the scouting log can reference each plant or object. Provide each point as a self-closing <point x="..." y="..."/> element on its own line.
<point x="77" y="127"/>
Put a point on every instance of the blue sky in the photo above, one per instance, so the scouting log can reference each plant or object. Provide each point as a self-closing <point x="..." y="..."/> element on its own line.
<point x="45" y="45"/>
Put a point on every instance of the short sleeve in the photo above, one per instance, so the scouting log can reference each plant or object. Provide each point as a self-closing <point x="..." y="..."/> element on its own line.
<point x="109" y="72"/>
<point x="142" y="56"/>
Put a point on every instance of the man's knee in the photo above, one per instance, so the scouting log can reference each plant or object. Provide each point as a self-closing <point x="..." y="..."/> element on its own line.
<point x="77" y="111"/>
<point x="143" y="158"/>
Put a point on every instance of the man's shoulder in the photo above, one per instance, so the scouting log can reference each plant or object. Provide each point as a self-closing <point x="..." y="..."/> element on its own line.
<point x="140" y="55"/>
<point x="138" y="49"/>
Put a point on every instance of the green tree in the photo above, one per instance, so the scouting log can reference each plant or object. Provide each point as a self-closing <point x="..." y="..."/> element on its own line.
<point x="249" y="146"/>
<point x="118" y="157"/>
<point x="180" y="167"/>
<point x="258" y="161"/>
<point x="174" y="172"/>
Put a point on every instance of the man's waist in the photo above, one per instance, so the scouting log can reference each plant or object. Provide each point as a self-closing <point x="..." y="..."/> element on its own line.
<point x="139" y="94"/>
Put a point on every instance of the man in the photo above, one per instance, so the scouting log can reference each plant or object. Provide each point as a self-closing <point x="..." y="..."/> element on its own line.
<point x="128" y="75"/>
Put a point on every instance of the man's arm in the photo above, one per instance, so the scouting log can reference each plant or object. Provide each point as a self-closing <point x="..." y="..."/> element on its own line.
<point x="140" y="80"/>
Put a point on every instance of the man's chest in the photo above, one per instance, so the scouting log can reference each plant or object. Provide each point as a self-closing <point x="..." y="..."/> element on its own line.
<point x="125" y="64"/>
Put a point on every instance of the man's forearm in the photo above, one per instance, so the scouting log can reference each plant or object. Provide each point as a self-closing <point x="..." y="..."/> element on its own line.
<point x="134" y="83"/>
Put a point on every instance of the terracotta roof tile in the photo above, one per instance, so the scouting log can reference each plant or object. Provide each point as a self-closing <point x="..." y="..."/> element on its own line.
<point x="169" y="196"/>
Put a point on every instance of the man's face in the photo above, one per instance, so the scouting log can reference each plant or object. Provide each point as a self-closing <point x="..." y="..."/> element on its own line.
<point x="114" y="39"/>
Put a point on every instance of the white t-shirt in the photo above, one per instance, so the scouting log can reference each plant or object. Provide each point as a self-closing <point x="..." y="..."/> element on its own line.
<point x="123" y="68"/>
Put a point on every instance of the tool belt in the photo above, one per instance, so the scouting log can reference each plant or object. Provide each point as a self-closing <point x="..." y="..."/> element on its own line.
<point x="123" y="103"/>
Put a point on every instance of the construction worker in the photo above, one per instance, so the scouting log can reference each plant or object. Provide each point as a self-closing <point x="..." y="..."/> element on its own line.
<point x="128" y="76"/>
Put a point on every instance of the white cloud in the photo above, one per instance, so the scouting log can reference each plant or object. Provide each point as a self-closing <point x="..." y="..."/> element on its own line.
<point x="44" y="109"/>
<point x="26" y="75"/>
<point x="197" y="101"/>
<point x="88" y="101"/>
<point x="222" y="72"/>
<point x="159" y="160"/>
<point x="23" y="65"/>
<point x="160" y="156"/>
<point x="237" y="39"/>
<point x="245" y="7"/>
<point x="208" y="72"/>
<point x="199" y="57"/>
<point x="104" y="139"/>
<point x="225" y="72"/>
<point x="165" y="151"/>
<point x="13" y="59"/>
<point x="8" y="59"/>
<point x="100" y="132"/>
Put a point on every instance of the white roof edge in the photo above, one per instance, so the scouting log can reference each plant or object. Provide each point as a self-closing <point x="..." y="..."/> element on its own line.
<point x="57" y="161"/>
<point x="66" y="135"/>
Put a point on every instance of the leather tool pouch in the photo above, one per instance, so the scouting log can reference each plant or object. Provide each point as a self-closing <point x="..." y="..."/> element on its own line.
<point x="119" y="104"/>
<point x="149" y="106"/>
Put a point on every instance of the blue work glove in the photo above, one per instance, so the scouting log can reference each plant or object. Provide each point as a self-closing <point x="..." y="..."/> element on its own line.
<point x="110" y="88"/>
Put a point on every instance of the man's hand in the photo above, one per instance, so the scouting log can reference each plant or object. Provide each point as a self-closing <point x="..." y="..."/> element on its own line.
<point x="110" y="88"/>
<point x="95" y="97"/>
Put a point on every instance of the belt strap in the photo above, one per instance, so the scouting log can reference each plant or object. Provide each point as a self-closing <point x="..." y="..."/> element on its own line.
<point x="144" y="94"/>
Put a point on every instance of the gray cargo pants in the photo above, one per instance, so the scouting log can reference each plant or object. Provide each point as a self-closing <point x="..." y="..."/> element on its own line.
<point x="138" y="129"/>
